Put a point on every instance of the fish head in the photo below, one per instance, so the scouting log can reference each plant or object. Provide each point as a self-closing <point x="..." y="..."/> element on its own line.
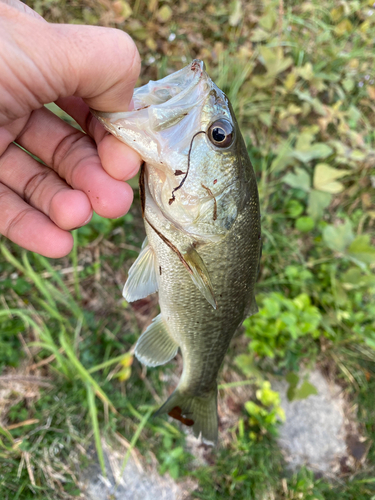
<point x="184" y="128"/>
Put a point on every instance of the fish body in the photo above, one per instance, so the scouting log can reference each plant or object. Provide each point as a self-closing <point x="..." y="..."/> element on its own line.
<point x="201" y="211"/>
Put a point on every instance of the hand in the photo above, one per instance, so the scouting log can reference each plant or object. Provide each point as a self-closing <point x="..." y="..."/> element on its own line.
<point x="76" y="67"/>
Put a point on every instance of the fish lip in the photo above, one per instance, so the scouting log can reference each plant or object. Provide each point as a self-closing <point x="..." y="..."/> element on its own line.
<point x="197" y="66"/>
<point x="141" y="94"/>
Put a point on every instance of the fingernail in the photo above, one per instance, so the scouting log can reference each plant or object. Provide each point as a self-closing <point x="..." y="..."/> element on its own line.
<point x="88" y="220"/>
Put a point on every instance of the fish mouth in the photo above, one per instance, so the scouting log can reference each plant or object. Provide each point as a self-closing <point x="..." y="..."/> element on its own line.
<point x="161" y="104"/>
<point x="166" y="115"/>
<point x="172" y="89"/>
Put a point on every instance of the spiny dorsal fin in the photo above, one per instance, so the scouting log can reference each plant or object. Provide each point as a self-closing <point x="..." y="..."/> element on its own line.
<point x="142" y="279"/>
<point x="155" y="346"/>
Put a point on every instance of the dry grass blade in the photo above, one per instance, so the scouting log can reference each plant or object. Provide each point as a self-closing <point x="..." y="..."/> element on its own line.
<point x="134" y="440"/>
<point x="26" y="454"/>
<point x="31" y="421"/>
<point x="27" y="379"/>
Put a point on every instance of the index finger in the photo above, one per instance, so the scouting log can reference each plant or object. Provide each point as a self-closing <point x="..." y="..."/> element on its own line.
<point x="118" y="160"/>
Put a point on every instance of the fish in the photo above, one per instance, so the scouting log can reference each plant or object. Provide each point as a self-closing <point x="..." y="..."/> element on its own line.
<point x="202" y="249"/>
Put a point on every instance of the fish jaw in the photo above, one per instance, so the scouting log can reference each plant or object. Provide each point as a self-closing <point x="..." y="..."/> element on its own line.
<point x="166" y="114"/>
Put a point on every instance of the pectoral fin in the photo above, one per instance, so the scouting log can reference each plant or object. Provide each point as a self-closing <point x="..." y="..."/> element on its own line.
<point x="142" y="275"/>
<point x="194" y="264"/>
<point x="155" y="346"/>
<point x="199" y="275"/>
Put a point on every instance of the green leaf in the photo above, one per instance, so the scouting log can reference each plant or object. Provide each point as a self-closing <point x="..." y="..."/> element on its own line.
<point x="348" y="84"/>
<point x="338" y="238"/>
<point x="125" y="9"/>
<point x="237" y="13"/>
<point x="259" y="35"/>
<point x="164" y="14"/>
<point x="305" y="391"/>
<point x="252" y="408"/>
<point x="268" y="20"/>
<point x="362" y="250"/>
<point x="313" y="152"/>
<point x="294" y="208"/>
<point x="355" y="278"/>
<point x="262" y="81"/>
<point x="305" y="224"/>
<point x="306" y="71"/>
<point x="325" y="177"/>
<point x="265" y="118"/>
<point x="245" y="363"/>
<point x="299" y="180"/>
<point x="274" y="60"/>
<point x="292" y="378"/>
<point x="318" y="202"/>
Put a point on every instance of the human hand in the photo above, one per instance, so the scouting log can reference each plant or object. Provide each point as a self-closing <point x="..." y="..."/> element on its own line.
<point x="77" y="67"/>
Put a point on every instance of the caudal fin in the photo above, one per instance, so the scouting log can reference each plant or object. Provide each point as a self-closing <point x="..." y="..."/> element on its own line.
<point x="200" y="413"/>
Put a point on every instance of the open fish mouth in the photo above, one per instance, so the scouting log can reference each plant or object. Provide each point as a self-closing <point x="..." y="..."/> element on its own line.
<point x="172" y="89"/>
<point x="166" y="115"/>
<point x="161" y="104"/>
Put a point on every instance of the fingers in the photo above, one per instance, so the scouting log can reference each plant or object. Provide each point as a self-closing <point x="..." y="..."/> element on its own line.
<point x="111" y="65"/>
<point x="31" y="229"/>
<point x="112" y="153"/>
<point x="101" y="65"/>
<point x="118" y="160"/>
<point x="43" y="189"/>
<point x="73" y="155"/>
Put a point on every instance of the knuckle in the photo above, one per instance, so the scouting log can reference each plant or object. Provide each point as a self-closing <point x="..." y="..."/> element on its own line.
<point x="12" y="223"/>
<point x="64" y="149"/>
<point x="15" y="221"/>
<point x="33" y="183"/>
<point x="9" y="220"/>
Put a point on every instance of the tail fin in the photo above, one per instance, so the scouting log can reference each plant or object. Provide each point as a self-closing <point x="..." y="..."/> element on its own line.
<point x="194" y="411"/>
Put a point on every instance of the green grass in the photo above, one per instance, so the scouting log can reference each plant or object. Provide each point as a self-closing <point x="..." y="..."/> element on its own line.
<point x="300" y="79"/>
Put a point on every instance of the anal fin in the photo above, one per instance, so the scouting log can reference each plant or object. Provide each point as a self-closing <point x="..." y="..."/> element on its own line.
<point x="155" y="346"/>
<point x="142" y="279"/>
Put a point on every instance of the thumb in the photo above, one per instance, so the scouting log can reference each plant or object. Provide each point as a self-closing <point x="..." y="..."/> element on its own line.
<point x="101" y="65"/>
<point x="43" y="62"/>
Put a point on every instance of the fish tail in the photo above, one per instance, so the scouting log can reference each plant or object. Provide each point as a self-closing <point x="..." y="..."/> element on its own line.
<point x="198" y="412"/>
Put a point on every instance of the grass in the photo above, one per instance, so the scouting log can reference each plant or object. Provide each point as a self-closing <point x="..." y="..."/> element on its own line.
<point x="300" y="79"/>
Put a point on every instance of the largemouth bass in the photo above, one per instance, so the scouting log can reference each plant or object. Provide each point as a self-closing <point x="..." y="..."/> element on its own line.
<point x="201" y="211"/>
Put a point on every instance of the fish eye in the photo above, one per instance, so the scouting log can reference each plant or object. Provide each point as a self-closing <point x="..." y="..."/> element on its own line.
<point x="221" y="133"/>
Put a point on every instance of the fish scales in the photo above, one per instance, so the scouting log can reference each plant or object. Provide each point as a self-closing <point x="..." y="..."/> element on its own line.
<point x="203" y="245"/>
